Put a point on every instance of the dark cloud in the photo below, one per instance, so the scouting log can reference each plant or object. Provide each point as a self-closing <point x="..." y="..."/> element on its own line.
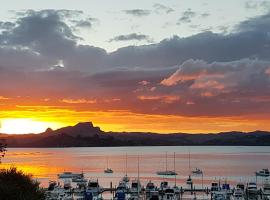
<point x="186" y="16"/>
<point x="132" y="36"/>
<point x="219" y="75"/>
<point x="160" y="8"/>
<point x="138" y="12"/>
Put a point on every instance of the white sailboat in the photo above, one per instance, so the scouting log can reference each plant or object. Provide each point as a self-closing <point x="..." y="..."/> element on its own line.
<point x="108" y="170"/>
<point x="126" y="178"/>
<point x="189" y="180"/>
<point x="166" y="172"/>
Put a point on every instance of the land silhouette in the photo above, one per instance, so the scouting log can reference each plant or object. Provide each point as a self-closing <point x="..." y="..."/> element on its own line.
<point x="87" y="135"/>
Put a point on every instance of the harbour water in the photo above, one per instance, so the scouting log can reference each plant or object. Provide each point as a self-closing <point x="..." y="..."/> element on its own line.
<point x="233" y="164"/>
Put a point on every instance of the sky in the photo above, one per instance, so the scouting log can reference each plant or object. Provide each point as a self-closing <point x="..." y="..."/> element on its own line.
<point x="192" y="66"/>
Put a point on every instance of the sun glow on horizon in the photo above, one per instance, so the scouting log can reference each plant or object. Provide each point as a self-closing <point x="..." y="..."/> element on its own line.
<point x="23" y="126"/>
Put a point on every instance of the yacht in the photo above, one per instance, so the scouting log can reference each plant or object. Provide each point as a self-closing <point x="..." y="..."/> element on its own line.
<point x="135" y="186"/>
<point x="215" y="187"/>
<point x="263" y="172"/>
<point x="226" y="188"/>
<point x="163" y="187"/>
<point x="169" y="194"/>
<point x="93" y="186"/>
<point x="240" y="186"/>
<point x="122" y="186"/>
<point x="238" y="195"/>
<point x="252" y="188"/>
<point x="67" y="184"/>
<point x="220" y="195"/>
<point x="266" y="190"/>
<point x="154" y="195"/>
<point x="149" y="188"/>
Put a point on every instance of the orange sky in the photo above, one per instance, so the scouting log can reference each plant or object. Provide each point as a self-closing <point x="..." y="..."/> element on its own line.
<point x="41" y="117"/>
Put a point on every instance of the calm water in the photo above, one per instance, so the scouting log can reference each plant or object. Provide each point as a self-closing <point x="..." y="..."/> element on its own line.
<point x="231" y="163"/>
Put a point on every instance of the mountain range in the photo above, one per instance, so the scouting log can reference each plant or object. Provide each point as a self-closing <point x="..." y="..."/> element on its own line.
<point x="87" y="135"/>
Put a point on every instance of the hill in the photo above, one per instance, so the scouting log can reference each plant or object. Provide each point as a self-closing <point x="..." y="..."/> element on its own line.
<point x="87" y="135"/>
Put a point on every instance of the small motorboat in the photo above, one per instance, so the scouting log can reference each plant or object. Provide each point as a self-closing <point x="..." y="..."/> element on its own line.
<point x="197" y="171"/>
<point x="108" y="171"/>
<point x="169" y="194"/>
<point x="263" y="172"/>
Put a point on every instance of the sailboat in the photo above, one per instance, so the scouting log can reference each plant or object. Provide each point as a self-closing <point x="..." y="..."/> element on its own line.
<point x="108" y="170"/>
<point x="189" y="180"/>
<point x="126" y="178"/>
<point x="167" y="172"/>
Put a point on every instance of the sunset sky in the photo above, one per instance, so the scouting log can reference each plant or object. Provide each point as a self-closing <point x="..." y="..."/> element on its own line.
<point x="193" y="66"/>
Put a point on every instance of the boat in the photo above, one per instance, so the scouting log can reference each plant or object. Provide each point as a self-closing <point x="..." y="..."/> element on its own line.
<point x="226" y="188"/>
<point x="263" y="172"/>
<point x="126" y="178"/>
<point x="240" y="186"/>
<point x="169" y="194"/>
<point x="135" y="186"/>
<point x="252" y="188"/>
<point x="220" y="195"/>
<point x="108" y="170"/>
<point x="154" y="195"/>
<point x="121" y="191"/>
<point x="266" y="190"/>
<point x="163" y="186"/>
<point x="70" y="175"/>
<point x="197" y="171"/>
<point x="93" y="186"/>
<point x="67" y="184"/>
<point x="215" y="187"/>
<point x="238" y="195"/>
<point x="122" y="186"/>
<point x="166" y="172"/>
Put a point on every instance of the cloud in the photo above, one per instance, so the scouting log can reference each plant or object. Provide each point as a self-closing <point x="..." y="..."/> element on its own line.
<point x="79" y="101"/>
<point x="257" y="4"/>
<point x="160" y="8"/>
<point x="186" y="16"/>
<point x="138" y="12"/>
<point x="132" y="36"/>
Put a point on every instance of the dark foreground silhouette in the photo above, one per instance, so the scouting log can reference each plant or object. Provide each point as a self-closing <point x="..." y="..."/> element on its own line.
<point x="86" y="135"/>
<point x="15" y="185"/>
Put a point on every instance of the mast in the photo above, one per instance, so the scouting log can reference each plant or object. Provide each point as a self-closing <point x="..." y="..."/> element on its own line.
<point x="174" y="169"/>
<point x="107" y="161"/>
<point x="166" y="161"/>
<point x="126" y="164"/>
<point x="189" y="160"/>
<point x="138" y="167"/>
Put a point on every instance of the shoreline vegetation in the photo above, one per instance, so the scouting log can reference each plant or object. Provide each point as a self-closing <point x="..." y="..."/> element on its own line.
<point x="16" y="185"/>
<point x="87" y="135"/>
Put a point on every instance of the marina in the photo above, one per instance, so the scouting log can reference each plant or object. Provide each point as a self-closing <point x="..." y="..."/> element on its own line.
<point x="68" y="189"/>
<point x="72" y="173"/>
